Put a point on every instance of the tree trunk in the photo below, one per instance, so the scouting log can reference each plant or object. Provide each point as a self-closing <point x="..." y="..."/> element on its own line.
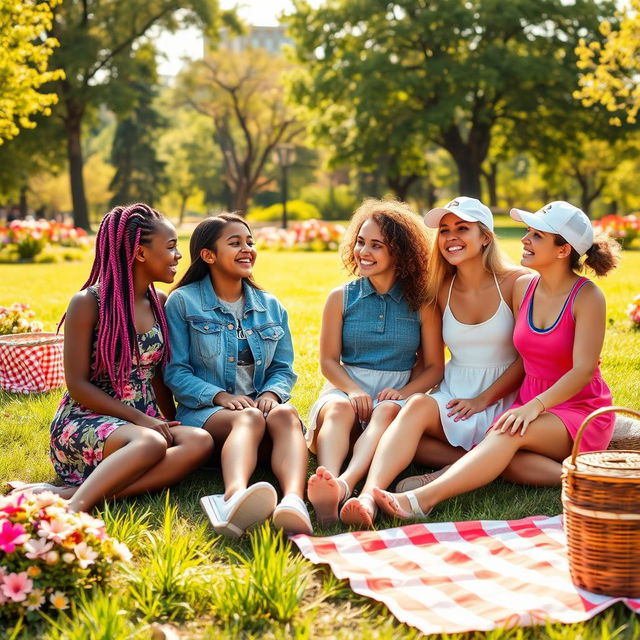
<point x="468" y="155"/>
<point x="491" y="177"/>
<point x="183" y="208"/>
<point x="24" y="209"/>
<point x="73" y="125"/>
<point x="400" y="185"/>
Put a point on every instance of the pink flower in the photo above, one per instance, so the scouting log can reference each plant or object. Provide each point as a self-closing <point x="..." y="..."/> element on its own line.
<point x="16" y="586"/>
<point x="151" y="411"/>
<point x="105" y="430"/>
<point x="11" y="535"/>
<point x="67" y="432"/>
<point x="37" y="548"/>
<point x="90" y="457"/>
<point x="56" y="529"/>
<point x="128" y="392"/>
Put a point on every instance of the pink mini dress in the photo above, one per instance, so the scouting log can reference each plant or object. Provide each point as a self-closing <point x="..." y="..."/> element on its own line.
<point x="547" y="354"/>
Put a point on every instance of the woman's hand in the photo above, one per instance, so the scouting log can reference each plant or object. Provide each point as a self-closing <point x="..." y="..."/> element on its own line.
<point x="389" y="394"/>
<point x="519" y="419"/>
<point x="161" y="426"/>
<point x="464" y="408"/>
<point x="267" y="401"/>
<point x="233" y="402"/>
<point x="362" y="404"/>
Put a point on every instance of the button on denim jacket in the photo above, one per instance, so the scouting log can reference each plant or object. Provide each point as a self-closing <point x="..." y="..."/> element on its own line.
<point x="204" y="344"/>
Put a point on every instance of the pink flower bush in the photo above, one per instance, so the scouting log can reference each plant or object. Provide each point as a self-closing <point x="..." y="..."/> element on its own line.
<point x="48" y="553"/>
<point x="309" y="235"/>
<point x="633" y="311"/>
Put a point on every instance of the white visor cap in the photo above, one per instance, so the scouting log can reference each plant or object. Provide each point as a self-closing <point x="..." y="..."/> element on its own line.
<point x="468" y="209"/>
<point x="563" y="219"/>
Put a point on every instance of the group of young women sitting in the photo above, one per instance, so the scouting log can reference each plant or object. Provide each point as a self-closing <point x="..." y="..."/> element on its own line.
<point x="523" y="374"/>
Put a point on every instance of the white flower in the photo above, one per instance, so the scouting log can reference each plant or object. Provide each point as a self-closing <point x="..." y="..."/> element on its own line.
<point x="85" y="554"/>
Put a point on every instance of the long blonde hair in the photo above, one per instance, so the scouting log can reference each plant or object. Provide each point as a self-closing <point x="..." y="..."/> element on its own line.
<point x="438" y="269"/>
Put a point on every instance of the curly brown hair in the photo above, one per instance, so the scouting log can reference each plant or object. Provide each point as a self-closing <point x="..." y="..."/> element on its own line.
<point x="408" y="243"/>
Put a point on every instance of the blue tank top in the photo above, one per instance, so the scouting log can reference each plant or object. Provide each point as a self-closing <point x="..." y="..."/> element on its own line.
<point x="379" y="331"/>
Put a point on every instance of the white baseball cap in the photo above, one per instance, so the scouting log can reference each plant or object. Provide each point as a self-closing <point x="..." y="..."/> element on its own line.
<point x="468" y="209"/>
<point x="563" y="219"/>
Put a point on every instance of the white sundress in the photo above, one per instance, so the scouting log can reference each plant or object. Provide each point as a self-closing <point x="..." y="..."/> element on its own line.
<point x="480" y="354"/>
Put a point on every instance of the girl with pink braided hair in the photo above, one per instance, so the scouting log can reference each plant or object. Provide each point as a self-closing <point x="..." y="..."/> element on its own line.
<point x="112" y="436"/>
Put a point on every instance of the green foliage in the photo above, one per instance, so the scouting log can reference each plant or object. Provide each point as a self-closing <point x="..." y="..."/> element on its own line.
<point x="334" y="203"/>
<point x="296" y="210"/>
<point x="267" y="585"/>
<point x="174" y="570"/>
<point x="383" y="81"/>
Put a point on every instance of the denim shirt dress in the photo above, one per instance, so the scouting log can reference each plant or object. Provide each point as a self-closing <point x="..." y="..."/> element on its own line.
<point x="204" y="348"/>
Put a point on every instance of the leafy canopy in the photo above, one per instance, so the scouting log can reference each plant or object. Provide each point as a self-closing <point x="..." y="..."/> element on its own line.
<point x="24" y="57"/>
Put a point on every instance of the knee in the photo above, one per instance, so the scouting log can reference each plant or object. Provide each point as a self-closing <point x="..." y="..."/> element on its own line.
<point x="418" y="402"/>
<point x="339" y="409"/>
<point x="283" y="417"/>
<point x="250" y="417"/>
<point x="386" y="412"/>
<point x="153" y="443"/>
<point x="200" y="441"/>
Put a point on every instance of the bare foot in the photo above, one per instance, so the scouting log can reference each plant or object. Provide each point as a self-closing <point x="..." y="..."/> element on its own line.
<point x="396" y="505"/>
<point x="360" y="511"/>
<point x="65" y="491"/>
<point x="325" y="492"/>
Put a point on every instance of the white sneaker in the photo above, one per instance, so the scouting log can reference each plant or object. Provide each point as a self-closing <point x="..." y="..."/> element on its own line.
<point x="292" y="515"/>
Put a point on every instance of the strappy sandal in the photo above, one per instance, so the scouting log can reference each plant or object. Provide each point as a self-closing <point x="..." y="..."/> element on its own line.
<point x="390" y="505"/>
<point x="356" y="511"/>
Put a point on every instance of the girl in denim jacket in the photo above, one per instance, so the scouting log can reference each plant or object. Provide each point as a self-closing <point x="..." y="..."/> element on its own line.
<point x="372" y="330"/>
<point x="231" y="372"/>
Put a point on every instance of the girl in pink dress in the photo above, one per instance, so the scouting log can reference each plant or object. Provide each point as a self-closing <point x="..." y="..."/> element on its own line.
<point x="559" y="332"/>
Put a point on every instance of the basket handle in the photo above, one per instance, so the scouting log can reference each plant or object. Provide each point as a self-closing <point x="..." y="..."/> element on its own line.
<point x="589" y="418"/>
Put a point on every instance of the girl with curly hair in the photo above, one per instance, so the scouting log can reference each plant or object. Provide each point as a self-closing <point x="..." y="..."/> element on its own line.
<point x="471" y="285"/>
<point x="372" y="331"/>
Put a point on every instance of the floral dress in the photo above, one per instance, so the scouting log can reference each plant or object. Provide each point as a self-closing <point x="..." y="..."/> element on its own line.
<point x="78" y="434"/>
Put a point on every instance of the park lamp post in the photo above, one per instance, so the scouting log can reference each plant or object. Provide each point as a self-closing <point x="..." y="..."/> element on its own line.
<point x="286" y="154"/>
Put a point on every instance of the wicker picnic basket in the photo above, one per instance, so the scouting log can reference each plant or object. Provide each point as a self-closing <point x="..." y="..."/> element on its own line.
<point x="601" y="499"/>
<point x="31" y="362"/>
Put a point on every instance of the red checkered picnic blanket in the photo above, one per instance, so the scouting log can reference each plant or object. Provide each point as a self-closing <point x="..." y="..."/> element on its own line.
<point x="454" y="577"/>
<point x="31" y="362"/>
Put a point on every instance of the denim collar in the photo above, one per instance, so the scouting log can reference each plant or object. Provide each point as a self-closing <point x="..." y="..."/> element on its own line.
<point x="367" y="289"/>
<point x="211" y="301"/>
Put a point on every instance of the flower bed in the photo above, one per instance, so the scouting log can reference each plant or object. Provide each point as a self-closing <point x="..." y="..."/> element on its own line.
<point x="26" y="239"/>
<point x="633" y="311"/>
<point x="310" y="235"/>
<point x="48" y="554"/>
<point x="624" y="228"/>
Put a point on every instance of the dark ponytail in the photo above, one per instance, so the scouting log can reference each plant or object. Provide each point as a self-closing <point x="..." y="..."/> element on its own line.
<point x="603" y="255"/>
<point x="205" y="236"/>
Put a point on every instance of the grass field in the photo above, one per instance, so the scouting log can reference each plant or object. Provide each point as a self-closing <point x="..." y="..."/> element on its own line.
<point x="205" y="586"/>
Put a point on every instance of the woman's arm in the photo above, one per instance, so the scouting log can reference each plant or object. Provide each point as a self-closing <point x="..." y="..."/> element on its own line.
<point x="188" y="389"/>
<point x="330" y="352"/>
<point x="80" y="322"/>
<point x="432" y="352"/>
<point x="590" y="318"/>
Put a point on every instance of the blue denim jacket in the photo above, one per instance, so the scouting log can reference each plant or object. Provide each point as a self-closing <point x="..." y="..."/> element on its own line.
<point x="379" y="331"/>
<point x="204" y="344"/>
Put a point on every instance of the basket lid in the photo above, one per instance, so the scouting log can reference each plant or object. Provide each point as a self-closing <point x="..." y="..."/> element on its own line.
<point x="610" y="463"/>
<point x="30" y="339"/>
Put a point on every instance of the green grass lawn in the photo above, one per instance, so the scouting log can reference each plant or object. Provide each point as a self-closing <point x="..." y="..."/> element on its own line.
<point x="204" y="585"/>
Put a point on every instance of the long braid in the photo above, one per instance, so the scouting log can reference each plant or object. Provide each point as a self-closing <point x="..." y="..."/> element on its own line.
<point x="121" y="232"/>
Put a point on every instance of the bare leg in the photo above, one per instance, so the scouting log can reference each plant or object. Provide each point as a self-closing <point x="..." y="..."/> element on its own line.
<point x="332" y="437"/>
<point x="533" y="469"/>
<point x="289" y="456"/>
<point x="546" y="436"/>
<point x="400" y="441"/>
<point x="435" y="453"/>
<point x="239" y="433"/>
<point x="365" y="447"/>
<point x="128" y="453"/>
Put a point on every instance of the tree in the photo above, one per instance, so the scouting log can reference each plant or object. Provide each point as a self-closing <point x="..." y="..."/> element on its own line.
<point x="24" y="56"/>
<point x="140" y="175"/>
<point x="243" y="95"/>
<point x="448" y="69"/>
<point x="611" y="68"/>
<point x="98" y="43"/>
